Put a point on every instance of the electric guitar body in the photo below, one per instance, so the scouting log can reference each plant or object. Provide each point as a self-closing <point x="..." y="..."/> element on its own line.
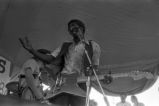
<point x="66" y="84"/>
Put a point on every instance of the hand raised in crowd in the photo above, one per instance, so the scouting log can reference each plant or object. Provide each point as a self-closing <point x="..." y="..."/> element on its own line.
<point x="26" y="43"/>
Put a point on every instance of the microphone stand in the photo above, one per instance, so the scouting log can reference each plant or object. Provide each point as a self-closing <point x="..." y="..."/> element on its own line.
<point x="88" y="83"/>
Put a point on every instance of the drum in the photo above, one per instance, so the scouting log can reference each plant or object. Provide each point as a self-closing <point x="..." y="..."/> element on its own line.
<point x="27" y="94"/>
<point x="13" y="86"/>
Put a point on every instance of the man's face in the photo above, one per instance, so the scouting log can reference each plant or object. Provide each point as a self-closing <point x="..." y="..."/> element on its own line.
<point x="76" y="31"/>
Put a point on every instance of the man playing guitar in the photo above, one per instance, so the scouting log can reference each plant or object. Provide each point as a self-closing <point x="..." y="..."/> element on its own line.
<point x="71" y="59"/>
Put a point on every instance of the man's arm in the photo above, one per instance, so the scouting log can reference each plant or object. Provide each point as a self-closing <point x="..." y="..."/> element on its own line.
<point x="27" y="45"/>
<point x="46" y="58"/>
<point x="32" y="83"/>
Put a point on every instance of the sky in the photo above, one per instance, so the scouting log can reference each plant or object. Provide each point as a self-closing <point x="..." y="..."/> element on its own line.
<point x="150" y="97"/>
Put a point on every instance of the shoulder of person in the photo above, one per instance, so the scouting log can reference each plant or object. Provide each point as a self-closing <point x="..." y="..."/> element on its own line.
<point x="61" y="45"/>
<point x="61" y="49"/>
<point x="29" y="62"/>
<point x="95" y="45"/>
<point x="67" y="42"/>
<point x="93" y="42"/>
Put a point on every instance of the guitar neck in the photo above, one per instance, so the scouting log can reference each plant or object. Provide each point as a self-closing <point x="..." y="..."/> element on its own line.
<point x="93" y="78"/>
<point x="135" y="75"/>
<point x="101" y="77"/>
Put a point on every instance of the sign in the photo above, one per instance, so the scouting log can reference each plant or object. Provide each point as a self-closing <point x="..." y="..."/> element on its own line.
<point x="4" y="74"/>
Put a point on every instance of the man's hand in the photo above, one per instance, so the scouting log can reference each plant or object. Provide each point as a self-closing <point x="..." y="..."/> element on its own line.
<point x="26" y="43"/>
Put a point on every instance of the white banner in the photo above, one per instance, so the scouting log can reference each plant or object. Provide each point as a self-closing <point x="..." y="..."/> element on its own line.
<point x="4" y="74"/>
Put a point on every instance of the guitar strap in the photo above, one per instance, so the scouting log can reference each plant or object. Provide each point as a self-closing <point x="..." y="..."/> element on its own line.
<point x="89" y="49"/>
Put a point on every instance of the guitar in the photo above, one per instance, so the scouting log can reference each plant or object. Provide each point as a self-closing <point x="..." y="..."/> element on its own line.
<point x="69" y="83"/>
<point x="66" y="84"/>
